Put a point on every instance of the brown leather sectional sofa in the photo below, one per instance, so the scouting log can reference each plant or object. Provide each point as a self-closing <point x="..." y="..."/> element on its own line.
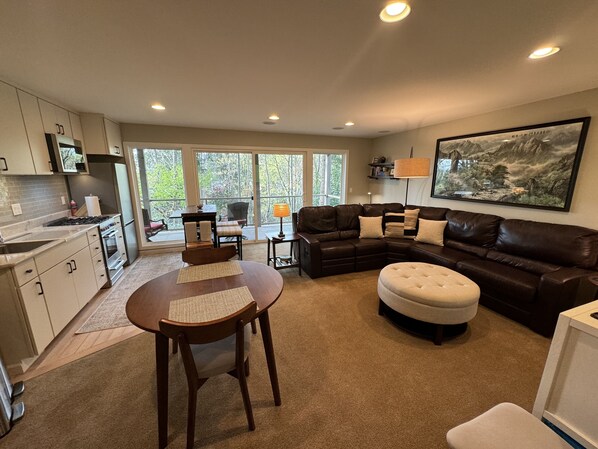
<point x="527" y="270"/>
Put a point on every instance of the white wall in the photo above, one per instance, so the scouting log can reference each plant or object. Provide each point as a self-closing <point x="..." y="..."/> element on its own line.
<point x="584" y="207"/>
<point x="358" y="149"/>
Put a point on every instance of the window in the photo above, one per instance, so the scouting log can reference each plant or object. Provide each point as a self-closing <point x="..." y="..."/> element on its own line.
<point x="328" y="179"/>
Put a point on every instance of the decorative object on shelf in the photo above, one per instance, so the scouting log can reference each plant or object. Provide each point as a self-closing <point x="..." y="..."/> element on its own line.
<point x="381" y="169"/>
<point x="414" y="167"/>
<point x="281" y="210"/>
<point x="529" y="166"/>
<point x="370" y="195"/>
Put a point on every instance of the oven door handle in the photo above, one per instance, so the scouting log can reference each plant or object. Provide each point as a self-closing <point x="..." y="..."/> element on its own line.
<point x="109" y="235"/>
<point x="117" y="265"/>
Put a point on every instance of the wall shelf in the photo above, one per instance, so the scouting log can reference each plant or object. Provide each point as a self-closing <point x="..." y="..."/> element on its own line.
<point x="381" y="170"/>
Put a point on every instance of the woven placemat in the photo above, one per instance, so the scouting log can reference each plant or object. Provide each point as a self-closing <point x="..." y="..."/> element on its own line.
<point x="213" y="306"/>
<point x="209" y="271"/>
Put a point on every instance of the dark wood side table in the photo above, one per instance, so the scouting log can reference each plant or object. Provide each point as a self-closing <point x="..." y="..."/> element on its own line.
<point x="281" y="262"/>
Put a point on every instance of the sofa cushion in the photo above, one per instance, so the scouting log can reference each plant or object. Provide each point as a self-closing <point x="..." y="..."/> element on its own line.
<point x="400" y="224"/>
<point x="430" y="213"/>
<point x="500" y="280"/>
<point x="439" y="255"/>
<point x="370" y="228"/>
<point x="316" y="219"/>
<point x="337" y="249"/>
<point x="347" y="216"/>
<point x="377" y="210"/>
<point x="466" y="247"/>
<point x="523" y="263"/>
<point x="364" y="247"/>
<point x="553" y="243"/>
<point x="472" y="228"/>
<point x="351" y="234"/>
<point x="431" y="231"/>
<point x="327" y="236"/>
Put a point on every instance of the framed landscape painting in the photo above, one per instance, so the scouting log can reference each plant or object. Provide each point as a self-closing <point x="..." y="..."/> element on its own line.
<point x="531" y="166"/>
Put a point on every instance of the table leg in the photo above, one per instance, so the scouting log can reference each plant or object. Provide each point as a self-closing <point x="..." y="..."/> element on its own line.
<point x="162" y="383"/>
<point x="268" y="258"/>
<point x="274" y="255"/>
<point x="269" y="349"/>
<point x="298" y="250"/>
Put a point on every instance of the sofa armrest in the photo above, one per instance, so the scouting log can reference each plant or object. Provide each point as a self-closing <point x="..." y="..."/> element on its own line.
<point x="557" y="292"/>
<point x="311" y="255"/>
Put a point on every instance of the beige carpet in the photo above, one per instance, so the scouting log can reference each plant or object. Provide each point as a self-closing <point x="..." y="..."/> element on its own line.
<point x="349" y="379"/>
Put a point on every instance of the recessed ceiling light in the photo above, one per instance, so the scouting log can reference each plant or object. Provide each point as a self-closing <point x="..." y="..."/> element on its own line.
<point x="544" y="52"/>
<point x="349" y="124"/>
<point x="274" y="117"/>
<point x="338" y="128"/>
<point x="158" y="107"/>
<point x="269" y="123"/>
<point x="395" y="11"/>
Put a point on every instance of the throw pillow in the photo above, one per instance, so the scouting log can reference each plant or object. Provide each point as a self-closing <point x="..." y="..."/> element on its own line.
<point x="402" y="225"/>
<point x="370" y="227"/>
<point x="431" y="231"/>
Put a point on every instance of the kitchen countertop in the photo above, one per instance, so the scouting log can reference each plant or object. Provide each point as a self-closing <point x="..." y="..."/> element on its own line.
<point x="55" y="236"/>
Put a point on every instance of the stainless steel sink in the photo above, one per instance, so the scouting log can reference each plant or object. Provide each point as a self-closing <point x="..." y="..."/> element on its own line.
<point x="21" y="247"/>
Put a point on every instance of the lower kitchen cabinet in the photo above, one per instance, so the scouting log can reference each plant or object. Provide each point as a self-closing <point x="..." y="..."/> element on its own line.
<point x="60" y="294"/>
<point x="84" y="276"/>
<point x="37" y="315"/>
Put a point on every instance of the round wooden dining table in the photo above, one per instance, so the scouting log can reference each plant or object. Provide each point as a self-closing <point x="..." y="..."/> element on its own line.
<point x="150" y="303"/>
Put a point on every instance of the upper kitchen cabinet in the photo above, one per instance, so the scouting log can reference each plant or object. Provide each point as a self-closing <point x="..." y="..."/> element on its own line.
<point x="56" y="119"/>
<point x="15" y="155"/>
<point x="102" y="135"/>
<point x="76" y="127"/>
<point x="35" y="133"/>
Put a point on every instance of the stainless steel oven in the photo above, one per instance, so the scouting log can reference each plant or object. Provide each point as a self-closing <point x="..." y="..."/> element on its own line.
<point x="111" y="238"/>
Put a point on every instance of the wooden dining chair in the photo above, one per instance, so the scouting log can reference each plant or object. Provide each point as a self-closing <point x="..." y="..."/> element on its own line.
<point x="213" y="348"/>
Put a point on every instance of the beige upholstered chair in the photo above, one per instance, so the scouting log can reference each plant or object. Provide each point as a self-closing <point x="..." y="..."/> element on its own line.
<point x="504" y="426"/>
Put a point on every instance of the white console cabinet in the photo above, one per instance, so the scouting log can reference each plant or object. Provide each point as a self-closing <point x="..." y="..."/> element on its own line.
<point x="568" y="393"/>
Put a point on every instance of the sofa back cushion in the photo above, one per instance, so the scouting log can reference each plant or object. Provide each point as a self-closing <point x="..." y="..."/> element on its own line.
<point x="430" y="213"/>
<point x="466" y="247"/>
<point x="316" y="219"/>
<point x="551" y="243"/>
<point x="378" y="209"/>
<point x="347" y="216"/>
<point x="472" y="228"/>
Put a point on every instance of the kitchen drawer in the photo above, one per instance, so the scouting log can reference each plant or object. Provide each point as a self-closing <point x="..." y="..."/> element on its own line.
<point x="25" y="271"/>
<point x="98" y="261"/>
<point x="57" y="254"/>
<point x="95" y="248"/>
<point x="93" y="235"/>
<point x="101" y="277"/>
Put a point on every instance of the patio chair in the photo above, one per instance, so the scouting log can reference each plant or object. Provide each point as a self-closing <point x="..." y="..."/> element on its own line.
<point x="237" y="212"/>
<point x="152" y="227"/>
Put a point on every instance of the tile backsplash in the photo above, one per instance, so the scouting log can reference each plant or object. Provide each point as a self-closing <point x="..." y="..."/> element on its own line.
<point x="37" y="195"/>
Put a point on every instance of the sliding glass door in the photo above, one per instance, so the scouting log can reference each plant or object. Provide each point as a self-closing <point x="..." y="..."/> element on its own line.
<point x="245" y="185"/>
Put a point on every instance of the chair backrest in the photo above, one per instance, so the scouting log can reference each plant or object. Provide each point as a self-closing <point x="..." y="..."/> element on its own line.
<point x="146" y="217"/>
<point x="237" y="211"/>
<point x="202" y="256"/>
<point x="211" y="331"/>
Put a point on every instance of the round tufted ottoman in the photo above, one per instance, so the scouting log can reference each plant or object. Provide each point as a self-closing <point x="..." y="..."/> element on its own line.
<point x="428" y="293"/>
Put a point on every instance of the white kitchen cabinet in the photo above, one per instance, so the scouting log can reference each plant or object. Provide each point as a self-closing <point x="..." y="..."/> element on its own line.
<point x="84" y="276"/>
<point x="76" y="127"/>
<point x="56" y="120"/>
<point x="37" y="315"/>
<point x="35" y="133"/>
<point x="60" y="294"/>
<point x="102" y="135"/>
<point x="15" y="156"/>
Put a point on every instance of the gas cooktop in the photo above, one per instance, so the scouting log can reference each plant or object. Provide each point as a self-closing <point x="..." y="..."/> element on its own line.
<point x="72" y="221"/>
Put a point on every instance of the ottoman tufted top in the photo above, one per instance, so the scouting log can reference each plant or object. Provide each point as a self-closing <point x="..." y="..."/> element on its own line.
<point x="429" y="284"/>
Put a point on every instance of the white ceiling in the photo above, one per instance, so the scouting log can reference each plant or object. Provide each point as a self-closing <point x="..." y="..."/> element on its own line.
<point x="317" y="63"/>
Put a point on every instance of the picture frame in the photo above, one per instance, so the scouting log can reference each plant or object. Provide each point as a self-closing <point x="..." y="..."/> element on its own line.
<point x="530" y="166"/>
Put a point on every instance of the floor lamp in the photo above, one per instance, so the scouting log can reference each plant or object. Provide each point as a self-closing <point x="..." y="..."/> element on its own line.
<point x="414" y="167"/>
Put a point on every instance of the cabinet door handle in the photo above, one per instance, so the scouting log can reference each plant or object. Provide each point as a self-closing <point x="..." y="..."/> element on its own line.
<point x="50" y="165"/>
<point x="57" y="128"/>
<point x="100" y="260"/>
<point x="70" y="267"/>
<point x="29" y="271"/>
<point x="62" y="130"/>
<point x="74" y="265"/>
<point x="41" y="288"/>
<point x="96" y="248"/>
<point x="5" y="164"/>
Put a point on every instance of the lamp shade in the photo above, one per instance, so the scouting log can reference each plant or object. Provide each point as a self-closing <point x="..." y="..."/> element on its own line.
<point x="415" y="167"/>
<point x="282" y="210"/>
